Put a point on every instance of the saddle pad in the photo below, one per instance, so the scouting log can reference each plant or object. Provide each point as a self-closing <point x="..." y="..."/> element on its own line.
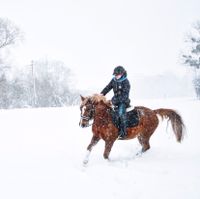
<point x="132" y="118"/>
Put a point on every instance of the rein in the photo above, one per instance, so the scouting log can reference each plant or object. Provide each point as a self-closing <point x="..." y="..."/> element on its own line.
<point x="91" y="113"/>
<point x="85" y="117"/>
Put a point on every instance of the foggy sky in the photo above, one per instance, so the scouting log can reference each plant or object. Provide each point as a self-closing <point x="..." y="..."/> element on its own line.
<point x="92" y="37"/>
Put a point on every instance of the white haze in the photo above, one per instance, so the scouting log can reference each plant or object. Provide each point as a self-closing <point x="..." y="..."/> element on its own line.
<point x="92" y="37"/>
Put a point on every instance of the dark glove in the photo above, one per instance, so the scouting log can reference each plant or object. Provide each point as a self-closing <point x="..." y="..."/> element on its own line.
<point x="115" y="101"/>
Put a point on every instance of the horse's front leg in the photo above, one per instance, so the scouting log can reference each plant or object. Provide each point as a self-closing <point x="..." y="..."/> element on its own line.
<point x="93" y="142"/>
<point x="108" y="147"/>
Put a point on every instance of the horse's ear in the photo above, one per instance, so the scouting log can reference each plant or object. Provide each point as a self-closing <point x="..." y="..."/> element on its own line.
<point x="82" y="98"/>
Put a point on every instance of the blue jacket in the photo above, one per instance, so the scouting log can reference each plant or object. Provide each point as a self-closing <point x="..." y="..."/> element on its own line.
<point x="121" y="89"/>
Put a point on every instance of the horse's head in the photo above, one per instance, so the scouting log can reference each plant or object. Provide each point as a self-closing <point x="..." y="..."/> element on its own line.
<point x="88" y="107"/>
<point x="87" y="111"/>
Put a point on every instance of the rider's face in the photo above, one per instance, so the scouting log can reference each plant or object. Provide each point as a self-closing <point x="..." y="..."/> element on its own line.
<point x="118" y="76"/>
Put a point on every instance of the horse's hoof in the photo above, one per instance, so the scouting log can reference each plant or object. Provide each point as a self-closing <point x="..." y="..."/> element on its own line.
<point x="139" y="153"/>
<point x="85" y="162"/>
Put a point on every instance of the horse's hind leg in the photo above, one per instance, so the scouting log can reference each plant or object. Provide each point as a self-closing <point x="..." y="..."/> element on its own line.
<point x="147" y="129"/>
<point x="93" y="142"/>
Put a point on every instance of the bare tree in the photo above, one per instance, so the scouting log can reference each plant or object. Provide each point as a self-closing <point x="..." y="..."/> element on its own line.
<point x="52" y="84"/>
<point x="192" y="56"/>
<point x="9" y="33"/>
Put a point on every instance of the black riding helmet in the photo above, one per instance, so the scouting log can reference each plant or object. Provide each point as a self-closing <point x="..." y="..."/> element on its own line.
<point x="119" y="70"/>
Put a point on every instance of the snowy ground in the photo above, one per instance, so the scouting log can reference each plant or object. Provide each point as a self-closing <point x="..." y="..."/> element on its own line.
<point x="41" y="153"/>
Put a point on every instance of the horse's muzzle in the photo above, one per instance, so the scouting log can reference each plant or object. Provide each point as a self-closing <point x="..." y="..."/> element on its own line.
<point x="82" y="125"/>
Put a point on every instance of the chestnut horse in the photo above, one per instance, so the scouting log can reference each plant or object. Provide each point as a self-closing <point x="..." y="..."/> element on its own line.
<point x="96" y="107"/>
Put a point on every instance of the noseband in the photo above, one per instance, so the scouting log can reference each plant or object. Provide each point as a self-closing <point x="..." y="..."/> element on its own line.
<point x="91" y="114"/>
<point x="86" y="118"/>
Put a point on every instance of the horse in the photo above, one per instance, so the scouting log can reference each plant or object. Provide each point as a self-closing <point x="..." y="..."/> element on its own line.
<point x="99" y="109"/>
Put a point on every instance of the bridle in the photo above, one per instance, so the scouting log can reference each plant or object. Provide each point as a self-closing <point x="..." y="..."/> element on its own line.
<point x="85" y="118"/>
<point x="90" y="115"/>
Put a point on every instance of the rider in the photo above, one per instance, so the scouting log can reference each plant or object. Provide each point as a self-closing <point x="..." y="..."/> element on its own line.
<point x="121" y="87"/>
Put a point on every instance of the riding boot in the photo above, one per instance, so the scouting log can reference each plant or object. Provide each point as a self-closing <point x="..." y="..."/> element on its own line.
<point x="122" y="132"/>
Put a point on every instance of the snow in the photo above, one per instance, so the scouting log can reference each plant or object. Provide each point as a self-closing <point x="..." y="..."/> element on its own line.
<point x="41" y="154"/>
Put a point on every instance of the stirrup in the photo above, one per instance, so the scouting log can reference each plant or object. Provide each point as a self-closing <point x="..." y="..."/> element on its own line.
<point x="122" y="135"/>
<point x="130" y="108"/>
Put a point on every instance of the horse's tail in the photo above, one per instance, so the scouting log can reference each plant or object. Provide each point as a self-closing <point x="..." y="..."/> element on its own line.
<point x="176" y="121"/>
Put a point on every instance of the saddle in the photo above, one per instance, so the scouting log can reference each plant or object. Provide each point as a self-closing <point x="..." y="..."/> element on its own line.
<point x="132" y="117"/>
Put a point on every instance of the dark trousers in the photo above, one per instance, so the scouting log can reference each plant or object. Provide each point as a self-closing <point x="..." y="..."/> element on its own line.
<point x="122" y="119"/>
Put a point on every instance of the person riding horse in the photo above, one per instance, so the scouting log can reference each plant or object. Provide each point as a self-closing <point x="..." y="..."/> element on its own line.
<point x="121" y="88"/>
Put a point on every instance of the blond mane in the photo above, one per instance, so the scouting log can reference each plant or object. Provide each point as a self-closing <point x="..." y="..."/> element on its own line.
<point x="96" y="98"/>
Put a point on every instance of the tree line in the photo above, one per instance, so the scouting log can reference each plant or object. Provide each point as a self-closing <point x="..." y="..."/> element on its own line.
<point x="48" y="83"/>
<point x="42" y="83"/>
